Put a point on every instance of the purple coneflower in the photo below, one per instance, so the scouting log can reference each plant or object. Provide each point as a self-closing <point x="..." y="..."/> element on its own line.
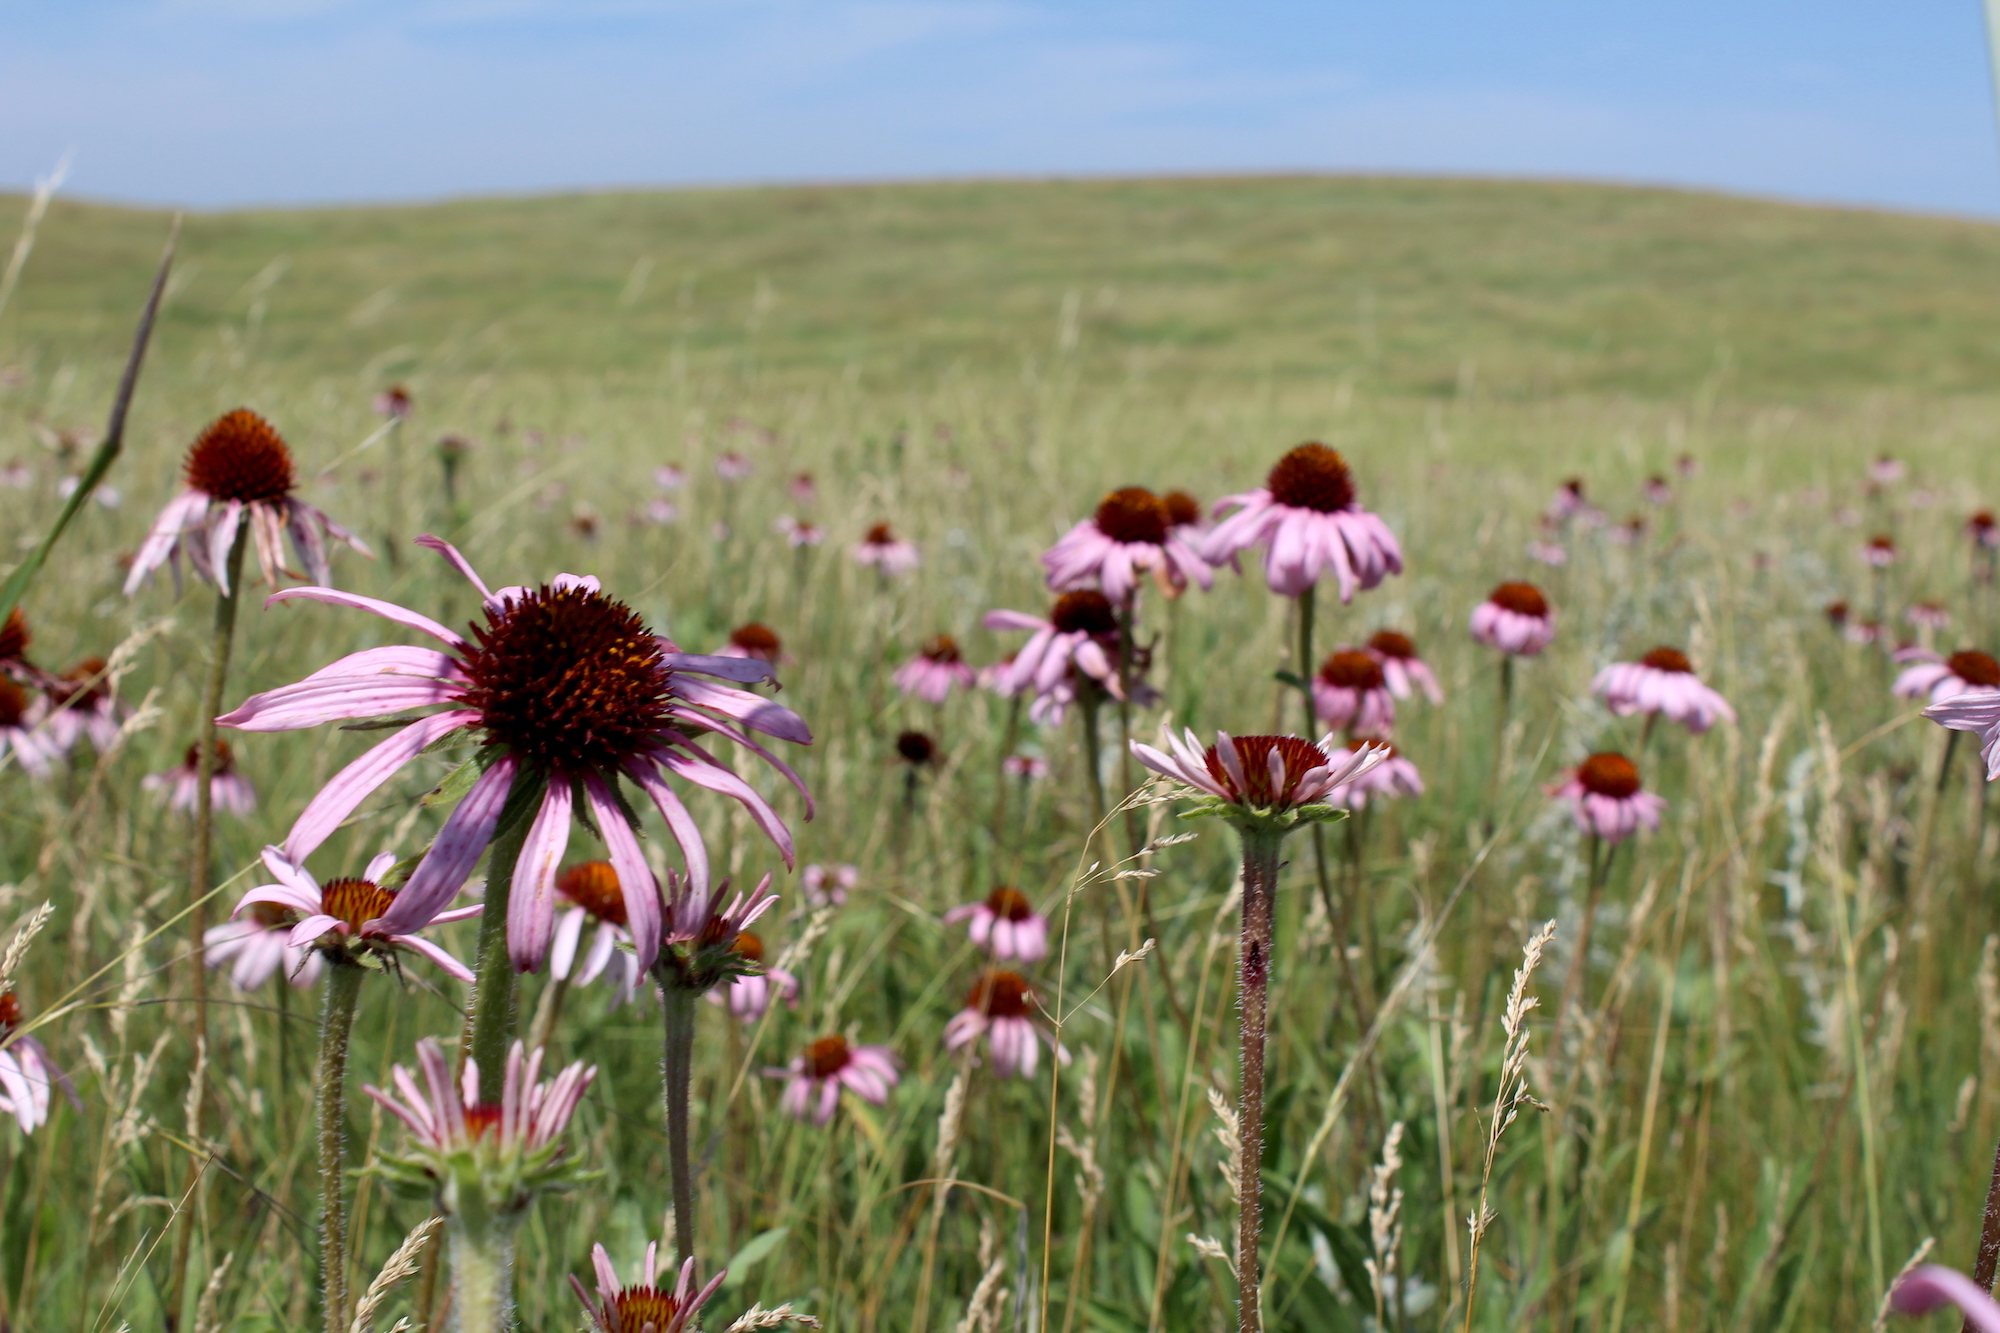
<point x="1607" y="799"/>
<point x="1976" y="711"/>
<point x="1548" y="553"/>
<point x="889" y="555"/>
<point x="802" y="535"/>
<point x="753" y="640"/>
<point x="21" y="733"/>
<point x="933" y="671"/>
<point x="1686" y="465"/>
<point x="1081" y="632"/>
<point x="1278" y="774"/>
<point x="749" y="994"/>
<point x="1567" y="502"/>
<point x="1392" y="775"/>
<point x="828" y="886"/>
<point x="999" y="1008"/>
<point x="1880" y="551"/>
<point x="1516" y="619"/>
<point x="1657" y="491"/>
<point x="1006" y="925"/>
<point x="1662" y="682"/>
<point x="802" y="489"/>
<point x="1983" y="530"/>
<point x="662" y="512"/>
<point x="813" y="1081"/>
<point x="394" y="403"/>
<point x="1886" y="470"/>
<point x="732" y="466"/>
<point x="1966" y="672"/>
<point x="257" y="944"/>
<point x="1402" y="668"/>
<point x="1928" y="615"/>
<point x="26" y="1072"/>
<point x="643" y="1307"/>
<point x="566" y="689"/>
<point x="85" y="707"/>
<point x="1351" y="693"/>
<point x="592" y="891"/>
<point x="229" y="791"/>
<point x="1131" y="532"/>
<point x="1862" y="631"/>
<point x="669" y="476"/>
<point x="1307" y="512"/>
<point x="344" y="918"/>
<point x="1027" y="767"/>
<point x="238" y="470"/>
<point x="1184" y="517"/>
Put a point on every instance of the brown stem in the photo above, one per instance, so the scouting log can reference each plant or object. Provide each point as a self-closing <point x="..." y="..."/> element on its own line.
<point x="1260" y="881"/>
<point x="1989" y="1240"/>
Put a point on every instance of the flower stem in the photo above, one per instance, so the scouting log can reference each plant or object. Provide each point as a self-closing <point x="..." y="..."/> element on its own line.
<point x="200" y="861"/>
<point x="1305" y="672"/>
<point x="1260" y="882"/>
<point x="491" y="1022"/>
<point x="678" y="1005"/>
<point x="1987" y="1261"/>
<point x="1087" y="704"/>
<point x="1574" y="987"/>
<point x="482" y="1274"/>
<point x="336" y="1025"/>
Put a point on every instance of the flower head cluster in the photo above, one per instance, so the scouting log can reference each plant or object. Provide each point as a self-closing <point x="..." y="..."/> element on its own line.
<point x="645" y="1306"/>
<point x="886" y="552"/>
<point x="346" y="919"/>
<point x="1132" y="531"/>
<point x="228" y="790"/>
<point x="1351" y="693"/>
<point x="1308" y="514"/>
<point x="934" y="670"/>
<point x="1516" y="619"/>
<point x="473" y="1155"/>
<point x="1001" y="1007"/>
<point x="830" y="1065"/>
<point x="239" y="470"/>
<point x="1663" y="681"/>
<point x="568" y="694"/>
<point x="1006" y="924"/>
<point x="1607" y="799"/>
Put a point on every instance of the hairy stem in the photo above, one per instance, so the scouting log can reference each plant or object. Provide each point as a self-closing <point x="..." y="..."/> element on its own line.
<point x="679" y="1008"/>
<point x="336" y="1025"/>
<point x="482" y="1275"/>
<point x="491" y="1022"/>
<point x="1260" y="881"/>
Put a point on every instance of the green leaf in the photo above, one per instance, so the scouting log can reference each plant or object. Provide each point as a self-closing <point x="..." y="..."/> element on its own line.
<point x="757" y="1247"/>
<point x="455" y="785"/>
<point x="1291" y="678"/>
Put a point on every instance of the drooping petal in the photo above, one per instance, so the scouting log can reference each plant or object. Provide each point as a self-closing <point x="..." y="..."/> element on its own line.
<point x="752" y="710"/>
<point x="680" y="823"/>
<point x="448" y="863"/>
<point x="352" y="785"/>
<point x="387" y="610"/>
<point x="457" y="561"/>
<point x="221" y="537"/>
<point x="628" y="859"/>
<point x="531" y="901"/>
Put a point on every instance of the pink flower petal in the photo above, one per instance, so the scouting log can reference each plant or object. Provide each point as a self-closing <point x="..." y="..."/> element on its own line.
<point x="445" y="867"/>
<point x="353" y="784"/>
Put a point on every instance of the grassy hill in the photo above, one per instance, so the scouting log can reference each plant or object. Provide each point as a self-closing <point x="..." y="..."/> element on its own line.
<point x="1415" y="287"/>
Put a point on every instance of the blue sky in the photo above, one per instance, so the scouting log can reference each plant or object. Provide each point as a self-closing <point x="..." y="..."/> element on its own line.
<point x="223" y="102"/>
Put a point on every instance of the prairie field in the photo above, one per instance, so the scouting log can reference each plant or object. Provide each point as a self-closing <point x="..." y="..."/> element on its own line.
<point x="1769" y="1074"/>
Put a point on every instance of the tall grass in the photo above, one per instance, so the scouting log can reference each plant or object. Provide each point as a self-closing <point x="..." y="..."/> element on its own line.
<point x="1774" y="1081"/>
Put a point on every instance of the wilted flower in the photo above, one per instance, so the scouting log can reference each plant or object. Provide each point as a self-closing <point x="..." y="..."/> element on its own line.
<point x="828" y="886"/>
<point x="999" y="1008"/>
<point x="813" y="1081"/>
<point x="697" y="943"/>
<point x="882" y="549"/>
<point x="567" y="690"/>
<point x="1308" y="514"/>
<point x="257" y="944"/>
<point x="344" y="918"/>
<point x="749" y="994"/>
<point x="1663" y="681"/>
<point x="1351" y="692"/>
<point x="1607" y="800"/>
<point x="1967" y="672"/>
<point x="642" y="1307"/>
<point x="1131" y="532"/>
<point x="1006" y="924"/>
<point x="238" y="470"/>
<point x="228" y="791"/>
<point x="933" y="671"/>
<point x="1516" y="619"/>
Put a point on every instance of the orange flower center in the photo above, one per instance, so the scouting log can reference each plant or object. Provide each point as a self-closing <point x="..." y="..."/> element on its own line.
<point x="1312" y="476"/>
<point x="482" y="1118"/>
<point x="10" y="1011"/>
<point x="567" y="679"/>
<point x="1975" y="668"/>
<point x="1352" y="671"/>
<point x="1360" y="743"/>
<point x="13" y="703"/>
<point x="755" y="639"/>
<point x="355" y="901"/>
<point x="828" y="1056"/>
<point x="1668" y="659"/>
<point x="879" y="535"/>
<point x="749" y="947"/>
<point x="1608" y="775"/>
<point x="242" y="457"/>
<point x="943" y="649"/>
<point x="1182" y="508"/>
<point x="1133" y="514"/>
<point x="1001" y="995"/>
<point x="593" y="886"/>
<point x="1298" y="757"/>
<point x="1523" y="599"/>
<point x="14" y="636"/>
<point x="639" y="1306"/>
<point x="225" y="758"/>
